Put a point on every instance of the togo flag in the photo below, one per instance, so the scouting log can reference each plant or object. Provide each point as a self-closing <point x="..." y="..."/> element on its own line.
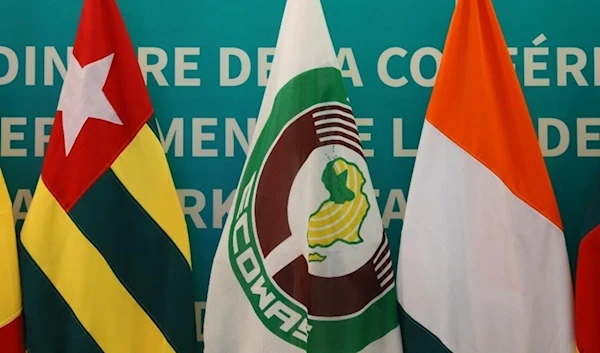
<point x="106" y="257"/>
<point x="587" y="290"/>
<point x="303" y="264"/>
<point x="483" y="264"/>
<point x="11" y="318"/>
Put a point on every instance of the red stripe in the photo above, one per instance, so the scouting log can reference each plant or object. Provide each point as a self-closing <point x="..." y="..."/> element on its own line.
<point x="340" y="134"/>
<point x="340" y="125"/>
<point x="334" y="116"/>
<point x="332" y="106"/>
<point x="11" y="337"/>
<point x="587" y="294"/>
<point x="382" y="245"/>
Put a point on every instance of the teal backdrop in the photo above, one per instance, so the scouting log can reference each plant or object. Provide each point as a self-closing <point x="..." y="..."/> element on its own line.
<point x="206" y="64"/>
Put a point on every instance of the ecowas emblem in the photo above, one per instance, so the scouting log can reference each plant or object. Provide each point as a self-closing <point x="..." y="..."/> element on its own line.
<point x="307" y="243"/>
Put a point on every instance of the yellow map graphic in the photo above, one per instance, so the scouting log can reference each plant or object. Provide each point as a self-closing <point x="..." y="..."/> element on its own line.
<point x="340" y="217"/>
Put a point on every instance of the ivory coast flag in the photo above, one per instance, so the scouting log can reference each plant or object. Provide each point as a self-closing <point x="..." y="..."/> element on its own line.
<point x="303" y="264"/>
<point x="11" y="318"/>
<point x="587" y="290"/>
<point x="483" y="264"/>
<point x="106" y="257"/>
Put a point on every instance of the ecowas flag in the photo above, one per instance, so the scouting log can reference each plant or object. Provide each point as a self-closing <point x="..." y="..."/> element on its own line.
<point x="587" y="290"/>
<point x="303" y="264"/>
<point x="483" y="265"/>
<point x="106" y="264"/>
<point x="11" y="317"/>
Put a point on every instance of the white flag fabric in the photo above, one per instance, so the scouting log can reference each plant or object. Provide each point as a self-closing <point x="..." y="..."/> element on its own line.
<point x="483" y="265"/>
<point x="303" y="264"/>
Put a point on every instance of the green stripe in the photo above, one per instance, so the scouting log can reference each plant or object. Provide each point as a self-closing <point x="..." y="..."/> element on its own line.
<point x="50" y="324"/>
<point x="416" y="338"/>
<point x="592" y="212"/>
<point x="153" y="125"/>
<point x="353" y="335"/>
<point x="142" y="256"/>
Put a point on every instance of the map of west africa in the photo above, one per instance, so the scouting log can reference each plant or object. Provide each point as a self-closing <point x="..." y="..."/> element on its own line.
<point x="340" y="217"/>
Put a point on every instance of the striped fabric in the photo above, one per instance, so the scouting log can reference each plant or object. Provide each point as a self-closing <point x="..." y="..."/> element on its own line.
<point x="11" y="319"/>
<point x="483" y="265"/>
<point x="337" y="126"/>
<point x="106" y="264"/>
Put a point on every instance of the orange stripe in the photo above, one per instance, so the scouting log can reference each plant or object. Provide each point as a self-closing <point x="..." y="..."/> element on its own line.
<point x="477" y="103"/>
<point x="11" y="336"/>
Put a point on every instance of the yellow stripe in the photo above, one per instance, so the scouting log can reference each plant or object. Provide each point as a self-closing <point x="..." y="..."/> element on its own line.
<point x="83" y="278"/>
<point x="10" y="294"/>
<point x="142" y="168"/>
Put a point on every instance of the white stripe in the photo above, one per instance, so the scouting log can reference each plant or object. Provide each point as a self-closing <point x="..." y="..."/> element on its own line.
<point x="340" y="138"/>
<point x="380" y="252"/>
<point x="479" y="257"/>
<point x="335" y="120"/>
<point x="284" y="254"/>
<point x="340" y="130"/>
<point x="384" y="271"/>
<point x="299" y="335"/>
<point x="387" y="281"/>
<point x="333" y="112"/>
<point x="383" y="261"/>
